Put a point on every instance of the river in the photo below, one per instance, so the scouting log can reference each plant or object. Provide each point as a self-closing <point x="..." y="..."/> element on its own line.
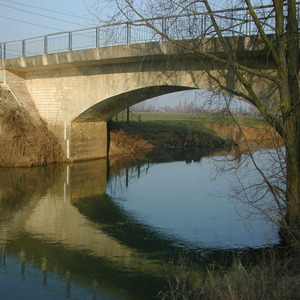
<point x="108" y="230"/>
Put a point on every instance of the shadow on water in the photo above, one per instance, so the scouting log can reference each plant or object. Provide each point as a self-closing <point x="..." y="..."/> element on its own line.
<point x="128" y="230"/>
<point x="121" y="226"/>
<point x="60" y="221"/>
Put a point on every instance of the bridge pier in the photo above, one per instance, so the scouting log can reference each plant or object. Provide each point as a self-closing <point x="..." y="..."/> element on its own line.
<point x="87" y="140"/>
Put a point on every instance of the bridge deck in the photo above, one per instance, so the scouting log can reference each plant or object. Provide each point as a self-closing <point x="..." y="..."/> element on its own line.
<point x="233" y="22"/>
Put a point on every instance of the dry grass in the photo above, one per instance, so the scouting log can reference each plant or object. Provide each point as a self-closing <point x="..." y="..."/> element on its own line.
<point x="258" y="136"/>
<point x="124" y="143"/>
<point x="21" y="142"/>
<point x="255" y="132"/>
<point x="185" y="138"/>
<point x="270" y="278"/>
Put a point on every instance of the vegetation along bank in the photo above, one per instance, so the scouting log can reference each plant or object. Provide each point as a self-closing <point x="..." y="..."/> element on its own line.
<point x="22" y="142"/>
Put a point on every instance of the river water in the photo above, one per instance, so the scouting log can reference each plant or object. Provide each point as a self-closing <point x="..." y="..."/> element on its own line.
<point x="108" y="230"/>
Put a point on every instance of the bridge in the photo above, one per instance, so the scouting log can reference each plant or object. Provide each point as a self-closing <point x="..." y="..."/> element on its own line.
<point x="74" y="82"/>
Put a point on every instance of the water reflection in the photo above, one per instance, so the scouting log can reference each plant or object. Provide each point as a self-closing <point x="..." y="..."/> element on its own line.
<point x="237" y="154"/>
<point x="45" y="231"/>
<point x="72" y="231"/>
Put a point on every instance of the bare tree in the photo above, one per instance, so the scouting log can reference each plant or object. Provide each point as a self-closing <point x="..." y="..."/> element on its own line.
<point x="272" y="27"/>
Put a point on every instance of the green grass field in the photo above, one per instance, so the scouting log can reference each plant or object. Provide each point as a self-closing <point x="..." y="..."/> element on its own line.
<point x="187" y="121"/>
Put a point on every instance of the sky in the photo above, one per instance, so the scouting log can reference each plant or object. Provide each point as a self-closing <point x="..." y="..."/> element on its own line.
<point x="201" y="99"/>
<point x="23" y="19"/>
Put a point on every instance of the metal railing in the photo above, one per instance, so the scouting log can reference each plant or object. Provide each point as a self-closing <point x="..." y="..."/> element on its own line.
<point x="181" y="27"/>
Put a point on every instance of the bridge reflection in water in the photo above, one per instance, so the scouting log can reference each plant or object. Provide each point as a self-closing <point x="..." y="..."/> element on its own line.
<point x="58" y="222"/>
<point x="42" y="225"/>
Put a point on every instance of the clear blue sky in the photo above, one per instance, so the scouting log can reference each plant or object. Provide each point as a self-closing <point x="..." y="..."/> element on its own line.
<point x="22" y="19"/>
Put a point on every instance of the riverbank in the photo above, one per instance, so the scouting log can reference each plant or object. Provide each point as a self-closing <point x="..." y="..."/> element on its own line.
<point x="22" y="142"/>
<point x="201" y="132"/>
<point x="274" y="275"/>
<point x="133" y="138"/>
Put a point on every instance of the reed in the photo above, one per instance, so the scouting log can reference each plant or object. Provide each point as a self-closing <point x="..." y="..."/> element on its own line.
<point x="270" y="277"/>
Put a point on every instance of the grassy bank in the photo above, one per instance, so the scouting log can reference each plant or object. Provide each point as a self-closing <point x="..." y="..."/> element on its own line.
<point x="121" y="142"/>
<point x="272" y="276"/>
<point x="185" y="121"/>
<point x="171" y="131"/>
<point x="209" y="131"/>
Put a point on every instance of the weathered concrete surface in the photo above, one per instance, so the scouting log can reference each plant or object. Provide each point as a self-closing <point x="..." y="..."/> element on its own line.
<point x="75" y="93"/>
<point x="244" y="46"/>
<point x="88" y="140"/>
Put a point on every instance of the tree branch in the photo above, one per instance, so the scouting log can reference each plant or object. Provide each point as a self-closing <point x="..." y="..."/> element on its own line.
<point x="201" y="52"/>
<point x="265" y="38"/>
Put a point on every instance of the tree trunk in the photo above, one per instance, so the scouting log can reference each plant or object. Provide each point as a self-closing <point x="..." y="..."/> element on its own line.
<point x="292" y="127"/>
<point x="292" y="142"/>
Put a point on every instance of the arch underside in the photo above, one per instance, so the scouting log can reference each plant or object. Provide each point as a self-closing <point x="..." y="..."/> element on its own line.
<point x="106" y="109"/>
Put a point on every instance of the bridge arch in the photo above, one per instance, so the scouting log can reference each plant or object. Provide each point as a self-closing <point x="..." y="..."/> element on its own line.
<point x="104" y="110"/>
<point x="87" y="134"/>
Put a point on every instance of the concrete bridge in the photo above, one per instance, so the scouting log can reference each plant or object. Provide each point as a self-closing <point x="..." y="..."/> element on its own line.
<point x="75" y="92"/>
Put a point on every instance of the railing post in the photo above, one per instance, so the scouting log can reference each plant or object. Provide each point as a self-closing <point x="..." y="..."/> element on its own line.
<point x="128" y="33"/>
<point x="45" y="44"/>
<point x="4" y="51"/>
<point x="1" y="51"/>
<point x="164" y="27"/>
<point x="205" y="24"/>
<point x="249" y="25"/>
<point x="23" y="48"/>
<point x="97" y="37"/>
<point x="127" y="115"/>
<point x="232" y="24"/>
<point x="70" y="41"/>
<point x="202" y="25"/>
